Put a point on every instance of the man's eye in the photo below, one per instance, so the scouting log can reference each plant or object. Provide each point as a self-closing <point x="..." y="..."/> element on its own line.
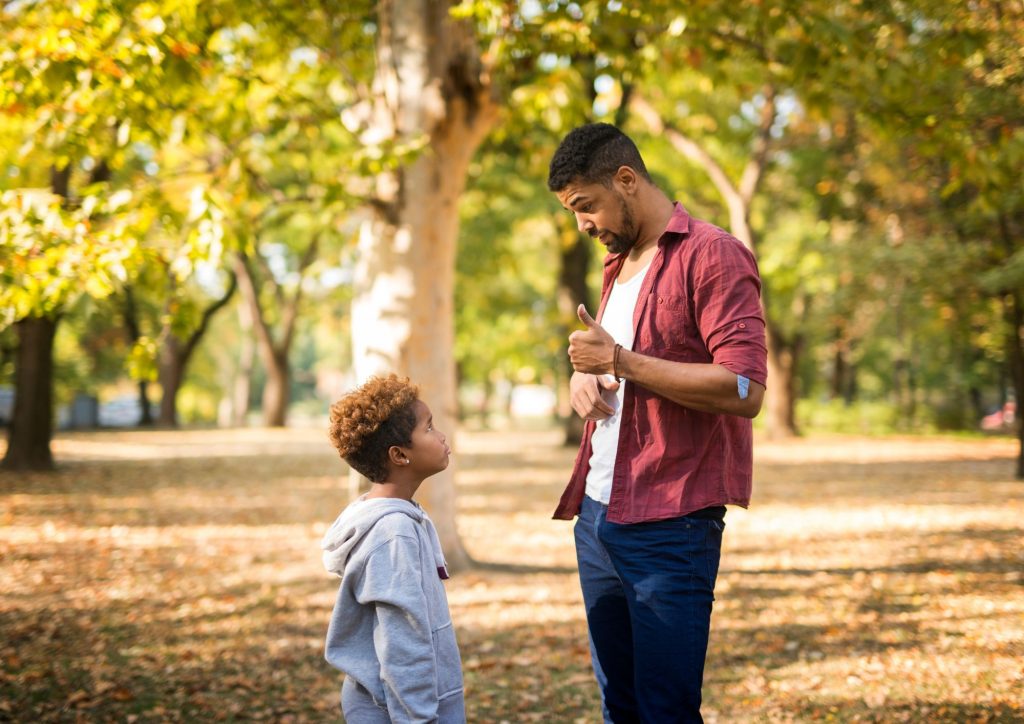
<point x="585" y="208"/>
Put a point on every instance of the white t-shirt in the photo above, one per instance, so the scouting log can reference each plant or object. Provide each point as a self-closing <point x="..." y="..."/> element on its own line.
<point x="617" y="320"/>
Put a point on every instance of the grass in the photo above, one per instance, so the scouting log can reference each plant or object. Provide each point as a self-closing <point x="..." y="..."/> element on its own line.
<point x="176" y="576"/>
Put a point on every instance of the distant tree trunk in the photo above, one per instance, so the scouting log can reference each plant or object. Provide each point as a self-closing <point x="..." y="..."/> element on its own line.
<point x="483" y="411"/>
<point x="429" y="85"/>
<point x="134" y="332"/>
<point x="175" y="354"/>
<point x="28" y="440"/>
<point x="783" y="356"/>
<point x="1013" y="310"/>
<point x="242" y="389"/>
<point x="1013" y="314"/>
<point x="573" y="290"/>
<point x="276" y="389"/>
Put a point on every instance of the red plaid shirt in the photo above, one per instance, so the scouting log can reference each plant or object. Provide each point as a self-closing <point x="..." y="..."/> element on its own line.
<point x="700" y="302"/>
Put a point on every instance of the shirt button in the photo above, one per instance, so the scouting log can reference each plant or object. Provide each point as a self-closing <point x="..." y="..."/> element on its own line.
<point x="742" y="325"/>
<point x="661" y="300"/>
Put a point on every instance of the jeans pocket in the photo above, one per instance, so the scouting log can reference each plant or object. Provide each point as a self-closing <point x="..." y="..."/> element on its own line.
<point x="713" y="549"/>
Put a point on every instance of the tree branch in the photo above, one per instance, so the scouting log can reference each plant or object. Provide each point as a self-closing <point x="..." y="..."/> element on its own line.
<point x="754" y="170"/>
<point x="291" y="309"/>
<point x="208" y="313"/>
<point x="684" y="144"/>
<point x="247" y="283"/>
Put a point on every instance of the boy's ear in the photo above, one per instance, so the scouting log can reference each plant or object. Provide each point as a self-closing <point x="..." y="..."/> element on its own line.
<point x="397" y="456"/>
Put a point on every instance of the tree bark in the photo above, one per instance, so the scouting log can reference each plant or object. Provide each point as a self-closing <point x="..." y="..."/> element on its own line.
<point x="134" y="332"/>
<point x="28" y="440"/>
<point x="429" y="85"/>
<point x="783" y="356"/>
<point x="1013" y="309"/>
<point x="276" y="391"/>
<point x="171" y="366"/>
<point x="242" y="388"/>
<point x="573" y="290"/>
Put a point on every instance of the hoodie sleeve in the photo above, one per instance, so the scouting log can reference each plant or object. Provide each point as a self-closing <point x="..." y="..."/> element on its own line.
<point x="392" y="583"/>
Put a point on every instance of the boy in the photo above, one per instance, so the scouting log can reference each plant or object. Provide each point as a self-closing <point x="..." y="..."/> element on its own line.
<point x="391" y="632"/>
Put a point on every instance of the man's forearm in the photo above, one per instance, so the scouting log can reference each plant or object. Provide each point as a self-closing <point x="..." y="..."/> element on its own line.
<point x="704" y="387"/>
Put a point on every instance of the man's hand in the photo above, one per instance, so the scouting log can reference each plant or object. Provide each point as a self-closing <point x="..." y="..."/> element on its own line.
<point x="591" y="350"/>
<point x="585" y="394"/>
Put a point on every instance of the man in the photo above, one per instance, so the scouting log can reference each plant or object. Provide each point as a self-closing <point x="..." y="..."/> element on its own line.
<point x="668" y="382"/>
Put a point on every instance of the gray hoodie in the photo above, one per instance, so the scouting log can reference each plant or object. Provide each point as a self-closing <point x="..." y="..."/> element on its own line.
<point x="391" y="630"/>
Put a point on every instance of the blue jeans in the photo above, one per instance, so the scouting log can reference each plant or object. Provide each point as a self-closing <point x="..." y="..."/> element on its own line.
<point x="648" y="589"/>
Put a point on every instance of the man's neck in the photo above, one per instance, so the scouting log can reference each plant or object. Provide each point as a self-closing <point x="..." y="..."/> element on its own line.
<point x="655" y="214"/>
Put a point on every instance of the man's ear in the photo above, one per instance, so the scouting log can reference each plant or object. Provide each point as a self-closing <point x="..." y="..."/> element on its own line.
<point x="627" y="179"/>
<point x="397" y="456"/>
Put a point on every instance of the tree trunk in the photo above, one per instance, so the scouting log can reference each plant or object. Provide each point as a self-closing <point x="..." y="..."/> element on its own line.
<point x="171" y="366"/>
<point x="277" y="389"/>
<point x="1013" y="309"/>
<point x="242" y="388"/>
<point x="573" y="290"/>
<point x="134" y="332"/>
<point x="783" y="356"/>
<point x="145" y="414"/>
<point x="428" y="85"/>
<point x="28" y="440"/>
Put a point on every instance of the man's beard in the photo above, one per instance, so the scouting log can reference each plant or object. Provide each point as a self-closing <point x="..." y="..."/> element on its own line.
<point x="623" y="241"/>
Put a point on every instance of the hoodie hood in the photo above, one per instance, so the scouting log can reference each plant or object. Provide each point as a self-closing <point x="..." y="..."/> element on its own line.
<point x="349" y="529"/>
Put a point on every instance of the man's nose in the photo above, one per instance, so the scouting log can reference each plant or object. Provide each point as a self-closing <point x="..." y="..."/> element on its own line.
<point x="583" y="224"/>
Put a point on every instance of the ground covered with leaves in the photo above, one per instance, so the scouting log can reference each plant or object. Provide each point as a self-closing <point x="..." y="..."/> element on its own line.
<point x="176" y="576"/>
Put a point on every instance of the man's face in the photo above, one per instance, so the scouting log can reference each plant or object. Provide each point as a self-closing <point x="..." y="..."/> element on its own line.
<point x="601" y="212"/>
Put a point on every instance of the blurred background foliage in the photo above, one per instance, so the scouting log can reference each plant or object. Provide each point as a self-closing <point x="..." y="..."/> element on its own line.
<point x="182" y="190"/>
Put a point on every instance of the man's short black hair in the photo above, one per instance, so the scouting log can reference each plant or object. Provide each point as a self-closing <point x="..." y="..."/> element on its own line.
<point x="592" y="154"/>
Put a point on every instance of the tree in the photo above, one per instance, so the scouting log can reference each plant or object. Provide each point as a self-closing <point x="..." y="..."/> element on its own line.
<point x="80" y="82"/>
<point x="45" y="243"/>
<point x="432" y="106"/>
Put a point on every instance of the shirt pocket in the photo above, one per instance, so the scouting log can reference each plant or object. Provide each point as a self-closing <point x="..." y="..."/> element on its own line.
<point x="449" y="664"/>
<point x="666" y="325"/>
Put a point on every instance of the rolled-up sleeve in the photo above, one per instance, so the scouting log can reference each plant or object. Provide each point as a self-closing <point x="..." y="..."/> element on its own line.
<point x="727" y="307"/>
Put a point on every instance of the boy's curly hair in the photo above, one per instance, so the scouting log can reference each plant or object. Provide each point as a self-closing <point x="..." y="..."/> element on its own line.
<point x="372" y="418"/>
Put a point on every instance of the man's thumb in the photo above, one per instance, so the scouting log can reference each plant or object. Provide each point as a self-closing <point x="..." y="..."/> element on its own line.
<point x="608" y="382"/>
<point x="581" y="312"/>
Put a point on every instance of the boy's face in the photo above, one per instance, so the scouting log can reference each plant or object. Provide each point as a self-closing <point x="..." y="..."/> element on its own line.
<point x="429" y="451"/>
